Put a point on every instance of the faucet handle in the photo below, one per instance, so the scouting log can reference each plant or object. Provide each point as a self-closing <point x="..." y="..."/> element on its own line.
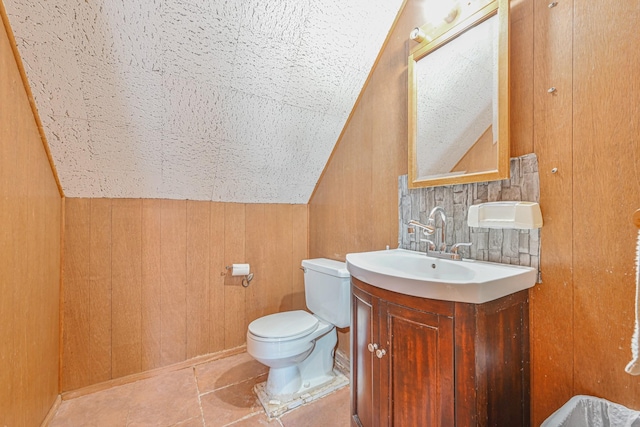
<point x="456" y="246"/>
<point x="430" y="245"/>
<point x="426" y="229"/>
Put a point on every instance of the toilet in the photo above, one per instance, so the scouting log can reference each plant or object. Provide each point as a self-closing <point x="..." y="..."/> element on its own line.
<point x="298" y="347"/>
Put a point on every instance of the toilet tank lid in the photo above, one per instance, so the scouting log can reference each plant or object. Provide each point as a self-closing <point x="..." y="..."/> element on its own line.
<point x="326" y="266"/>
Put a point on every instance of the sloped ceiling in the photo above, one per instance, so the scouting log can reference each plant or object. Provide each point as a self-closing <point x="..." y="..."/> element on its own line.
<point x="236" y="101"/>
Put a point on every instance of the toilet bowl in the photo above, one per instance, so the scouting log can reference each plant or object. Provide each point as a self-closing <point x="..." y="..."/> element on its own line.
<point x="298" y="347"/>
<point x="287" y="356"/>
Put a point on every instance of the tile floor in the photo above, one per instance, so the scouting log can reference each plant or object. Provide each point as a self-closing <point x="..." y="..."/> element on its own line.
<point x="217" y="393"/>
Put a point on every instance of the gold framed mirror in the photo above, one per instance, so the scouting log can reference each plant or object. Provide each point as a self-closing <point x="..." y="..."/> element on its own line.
<point x="459" y="94"/>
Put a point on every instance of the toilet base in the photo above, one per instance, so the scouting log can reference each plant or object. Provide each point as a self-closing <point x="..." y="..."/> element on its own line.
<point x="309" y="369"/>
<point x="276" y="406"/>
<point x="285" y="380"/>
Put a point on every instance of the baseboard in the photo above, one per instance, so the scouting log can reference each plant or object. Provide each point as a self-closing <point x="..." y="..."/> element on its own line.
<point x="152" y="373"/>
<point x="52" y="411"/>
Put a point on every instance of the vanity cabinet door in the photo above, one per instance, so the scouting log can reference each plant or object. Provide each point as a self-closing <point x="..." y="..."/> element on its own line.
<point x="416" y="371"/>
<point x="364" y="316"/>
<point x="401" y="365"/>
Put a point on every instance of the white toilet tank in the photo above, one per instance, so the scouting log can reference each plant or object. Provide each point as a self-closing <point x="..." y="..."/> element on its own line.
<point x="327" y="290"/>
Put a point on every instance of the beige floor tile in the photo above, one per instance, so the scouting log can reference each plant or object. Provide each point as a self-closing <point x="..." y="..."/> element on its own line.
<point x="231" y="403"/>
<point x="193" y="422"/>
<point x="165" y="400"/>
<point x="173" y="400"/>
<point x="230" y="370"/>
<point x="108" y="408"/>
<point x="257" y="420"/>
<point x="333" y="410"/>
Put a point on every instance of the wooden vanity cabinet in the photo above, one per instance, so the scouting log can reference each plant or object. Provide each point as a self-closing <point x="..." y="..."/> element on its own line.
<point x="421" y="362"/>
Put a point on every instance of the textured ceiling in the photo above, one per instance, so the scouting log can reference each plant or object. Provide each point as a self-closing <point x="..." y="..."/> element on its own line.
<point x="236" y="101"/>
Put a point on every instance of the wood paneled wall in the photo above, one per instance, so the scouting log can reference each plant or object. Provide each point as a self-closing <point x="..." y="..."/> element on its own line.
<point x="606" y="192"/>
<point x="552" y="302"/>
<point x="582" y="313"/>
<point x="145" y="283"/>
<point x="30" y="237"/>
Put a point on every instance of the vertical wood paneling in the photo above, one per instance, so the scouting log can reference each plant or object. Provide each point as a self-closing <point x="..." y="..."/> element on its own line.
<point x="36" y="236"/>
<point x="76" y="332"/>
<point x="21" y="295"/>
<point x="284" y="250"/>
<point x="521" y="89"/>
<point x="269" y="251"/>
<point x="28" y="296"/>
<point x="198" y="222"/>
<point x="360" y="200"/>
<point x="259" y="241"/>
<point x="275" y="292"/>
<point x="385" y="162"/>
<point x="217" y="277"/>
<point x="325" y="239"/>
<point x="126" y="258"/>
<point x="7" y="250"/>
<point x="173" y="267"/>
<point x="171" y="298"/>
<point x="234" y="294"/>
<point x="300" y="243"/>
<point x="151" y="285"/>
<point x="100" y="291"/>
<point x="30" y="236"/>
<point x="606" y="186"/>
<point x="47" y="356"/>
<point x="552" y="359"/>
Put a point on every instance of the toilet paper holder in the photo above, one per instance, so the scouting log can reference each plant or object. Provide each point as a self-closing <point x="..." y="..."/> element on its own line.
<point x="246" y="280"/>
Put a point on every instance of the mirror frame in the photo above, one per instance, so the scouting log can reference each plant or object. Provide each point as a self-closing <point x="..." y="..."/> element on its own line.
<point x="438" y="37"/>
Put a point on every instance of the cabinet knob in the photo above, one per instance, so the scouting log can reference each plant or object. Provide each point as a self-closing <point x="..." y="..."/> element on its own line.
<point x="372" y="347"/>
<point x="381" y="352"/>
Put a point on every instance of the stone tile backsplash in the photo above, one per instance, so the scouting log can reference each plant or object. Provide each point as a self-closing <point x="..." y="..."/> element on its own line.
<point x="508" y="246"/>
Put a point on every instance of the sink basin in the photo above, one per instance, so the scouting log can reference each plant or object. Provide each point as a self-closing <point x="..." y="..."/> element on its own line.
<point x="414" y="273"/>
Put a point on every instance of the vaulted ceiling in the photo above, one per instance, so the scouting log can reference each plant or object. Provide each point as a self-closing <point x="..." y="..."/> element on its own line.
<point x="223" y="100"/>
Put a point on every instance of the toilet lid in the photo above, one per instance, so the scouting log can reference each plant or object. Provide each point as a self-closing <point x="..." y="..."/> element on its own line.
<point x="284" y="325"/>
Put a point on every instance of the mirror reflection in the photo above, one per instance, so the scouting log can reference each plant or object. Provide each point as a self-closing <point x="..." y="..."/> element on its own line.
<point x="458" y="104"/>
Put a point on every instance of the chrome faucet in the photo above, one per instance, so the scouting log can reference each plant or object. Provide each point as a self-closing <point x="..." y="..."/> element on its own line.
<point x="438" y="251"/>
<point x="432" y="222"/>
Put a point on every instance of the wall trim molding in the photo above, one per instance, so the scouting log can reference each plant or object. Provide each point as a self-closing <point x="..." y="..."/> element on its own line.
<point x="52" y="411"/>
<point x="152" y="373"/>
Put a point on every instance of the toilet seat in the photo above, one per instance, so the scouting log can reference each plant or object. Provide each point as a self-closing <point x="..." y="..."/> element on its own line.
<point x="287" y="325"/>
